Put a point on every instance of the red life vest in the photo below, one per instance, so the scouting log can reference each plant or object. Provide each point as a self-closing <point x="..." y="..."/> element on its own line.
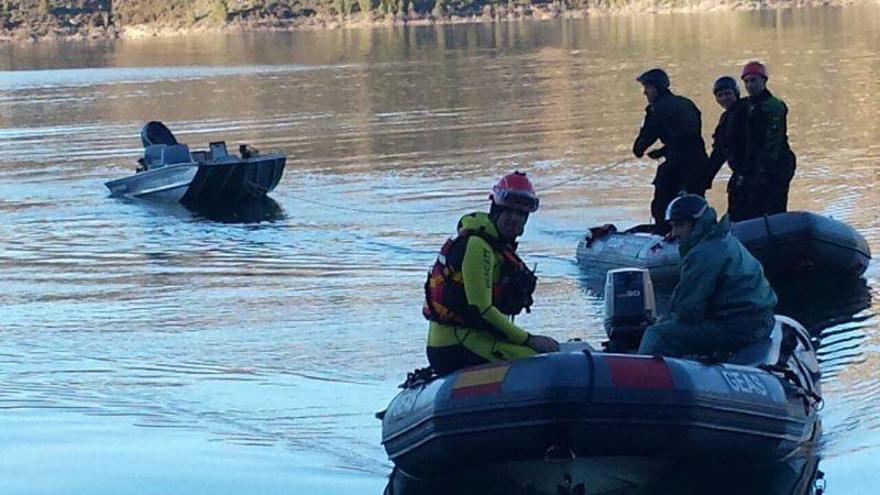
<point x="445" y="298"/>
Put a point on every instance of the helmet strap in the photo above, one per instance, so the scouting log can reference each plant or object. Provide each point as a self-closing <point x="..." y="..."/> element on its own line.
<point x="495" y="210"/>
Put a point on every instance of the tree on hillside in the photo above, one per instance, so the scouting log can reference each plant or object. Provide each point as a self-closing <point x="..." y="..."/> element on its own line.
<point x="44" y="8"/>
<point x="366" y="6"/>
<point x="106" y="9"/>
<point x="220" y="12"/>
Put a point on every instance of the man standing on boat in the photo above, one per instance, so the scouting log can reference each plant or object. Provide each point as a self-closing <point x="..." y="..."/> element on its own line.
<point x="676" y="122"/>
<point x="770" y="163"/>
<point x="478" y="284"/>
<point x="722" y="302"/>
<point x="729" y="145"/>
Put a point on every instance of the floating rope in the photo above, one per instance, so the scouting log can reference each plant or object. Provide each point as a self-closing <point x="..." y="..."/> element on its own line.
<point x="457" y="208"/>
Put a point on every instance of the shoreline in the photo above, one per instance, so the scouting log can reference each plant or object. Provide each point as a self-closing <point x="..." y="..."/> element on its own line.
<point x="489" y="14"/>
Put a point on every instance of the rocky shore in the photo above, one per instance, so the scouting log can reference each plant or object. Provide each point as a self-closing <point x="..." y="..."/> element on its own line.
<point x="32" y="20"/>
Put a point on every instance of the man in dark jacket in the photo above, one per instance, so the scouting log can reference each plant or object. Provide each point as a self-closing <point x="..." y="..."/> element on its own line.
<point x="729" y="144"/>
<point x="676" y="122"/>
<point x="722" y="302"/>
<point x="770" y="163"/>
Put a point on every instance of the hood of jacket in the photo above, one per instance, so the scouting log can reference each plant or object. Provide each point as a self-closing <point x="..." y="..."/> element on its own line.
<point x="707" y="227"/>
<point x="479" y="223"/>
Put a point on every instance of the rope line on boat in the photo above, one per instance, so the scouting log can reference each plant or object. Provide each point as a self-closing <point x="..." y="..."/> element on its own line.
<point x="552" y="187"/>
<point x="803" y="387"/>
<point x="579" y="178"/>
<point x="378" y="212"/>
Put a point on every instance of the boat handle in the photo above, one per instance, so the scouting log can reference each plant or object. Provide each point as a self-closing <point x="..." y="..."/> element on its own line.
<point x="556" y="453"/>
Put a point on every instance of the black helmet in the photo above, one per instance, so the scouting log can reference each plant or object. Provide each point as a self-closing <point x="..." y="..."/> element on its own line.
<point x="686" y="207"/>
<point x="725" y="82"/>
<point x="656" y="78"/>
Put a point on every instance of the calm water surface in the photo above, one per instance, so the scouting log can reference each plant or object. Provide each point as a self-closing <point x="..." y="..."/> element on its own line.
<point x="148" y="349"/>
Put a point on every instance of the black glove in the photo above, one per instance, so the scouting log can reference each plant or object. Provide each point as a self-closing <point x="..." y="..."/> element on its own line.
<point x="657" y="154"/>
<point x="739" y="181"/>
<point x="524" y="282"/>
<point x="542" y="344"/>
<point x="528" y="281"/>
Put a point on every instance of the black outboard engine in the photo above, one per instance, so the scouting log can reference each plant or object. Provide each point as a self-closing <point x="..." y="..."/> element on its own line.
<point x="155" y="132"/>
<point x="629" y="308"/>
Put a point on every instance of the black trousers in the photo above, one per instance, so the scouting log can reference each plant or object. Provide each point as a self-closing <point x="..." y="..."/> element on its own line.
<point x="747" y="199"/>
<point x="738" y="198"/>
<point x="662" y="197"/>
<point x="769" y="199"/>
<point x="670" y="181"/>
<point x="450" y="358"/>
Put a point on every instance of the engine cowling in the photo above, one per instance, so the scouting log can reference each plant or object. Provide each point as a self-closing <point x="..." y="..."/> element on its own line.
<point x="629" y="307"/>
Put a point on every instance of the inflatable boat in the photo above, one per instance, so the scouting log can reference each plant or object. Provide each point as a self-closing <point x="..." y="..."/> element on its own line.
<point x="788" y="245"/>
<point x="592" y="417"/>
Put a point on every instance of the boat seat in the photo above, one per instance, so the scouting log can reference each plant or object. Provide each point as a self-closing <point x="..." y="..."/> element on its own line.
<point x="159" y="155"/>
<point x="156" y="133"/>
<point x="153" y="156"/>
<point x="218" y="151"/>
<point x="764" y="352"/>
<point x="177" y="153"/>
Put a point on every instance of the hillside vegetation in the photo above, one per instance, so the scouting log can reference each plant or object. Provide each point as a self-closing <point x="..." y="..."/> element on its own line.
<point x="33" y="19"/>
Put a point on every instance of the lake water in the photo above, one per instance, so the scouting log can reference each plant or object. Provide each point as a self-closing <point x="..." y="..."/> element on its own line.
<point x="150" y="350"/>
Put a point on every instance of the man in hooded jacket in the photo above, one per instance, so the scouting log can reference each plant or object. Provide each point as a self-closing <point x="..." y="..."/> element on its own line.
<point x="722" y="302"/>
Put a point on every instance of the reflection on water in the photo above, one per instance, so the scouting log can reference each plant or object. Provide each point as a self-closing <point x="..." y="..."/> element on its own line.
<point x="264" y="209"/>
<point x="798" y="476"/>
<point x="166" y="342"/>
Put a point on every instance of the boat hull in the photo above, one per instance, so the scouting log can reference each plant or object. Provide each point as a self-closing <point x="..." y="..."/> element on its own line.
<point x="230" y="182"/>
<point x="235" y="181"/>
<point x="168" y="183"/>
<point x="595" y="405"/>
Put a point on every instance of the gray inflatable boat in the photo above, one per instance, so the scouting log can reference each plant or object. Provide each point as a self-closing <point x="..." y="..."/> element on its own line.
<point x="583" y="412"/>
<point x="789" y="245"/>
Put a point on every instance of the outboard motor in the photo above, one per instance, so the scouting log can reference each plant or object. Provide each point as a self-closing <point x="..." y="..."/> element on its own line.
<point x="629" y="307"/>
<point x="155" y="132"/>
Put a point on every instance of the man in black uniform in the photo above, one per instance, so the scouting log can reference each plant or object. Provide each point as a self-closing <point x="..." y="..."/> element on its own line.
<point x="676" y="122"/>
<point x="729" y="144"/>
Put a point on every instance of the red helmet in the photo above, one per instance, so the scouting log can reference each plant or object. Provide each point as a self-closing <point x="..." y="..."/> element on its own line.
<point x="755" y="68"/>
<point x="515" y="191"/>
